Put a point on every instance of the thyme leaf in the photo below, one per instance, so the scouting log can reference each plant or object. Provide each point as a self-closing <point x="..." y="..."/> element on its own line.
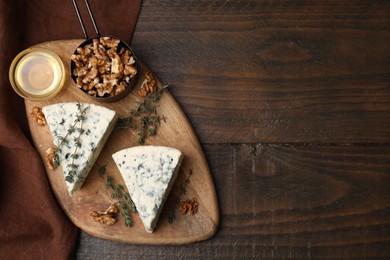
<point x="102" y="170"/>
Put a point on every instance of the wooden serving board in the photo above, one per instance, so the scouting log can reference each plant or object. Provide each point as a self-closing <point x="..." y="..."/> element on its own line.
<point x="176" y="132"/>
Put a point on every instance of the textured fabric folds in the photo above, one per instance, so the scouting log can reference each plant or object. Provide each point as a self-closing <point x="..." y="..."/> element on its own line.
<point x="33" y="225"/>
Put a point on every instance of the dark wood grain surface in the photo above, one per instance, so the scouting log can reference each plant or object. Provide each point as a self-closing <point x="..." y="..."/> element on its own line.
<point x="291" y="103"/>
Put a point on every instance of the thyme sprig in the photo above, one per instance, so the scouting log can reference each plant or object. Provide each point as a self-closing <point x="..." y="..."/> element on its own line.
<point x="144" y="117"/>
<point x="125" y="203"/>
<point x="125" y="213"/>
<point x="64" y="140"/>
<point x="183" y="190"/>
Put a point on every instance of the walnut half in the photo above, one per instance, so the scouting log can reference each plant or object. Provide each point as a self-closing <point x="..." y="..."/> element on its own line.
<point x="37" y="116"/>
<point x="149" y="85"/>
<point x="107" y="217"/>
<point x="50" y="154"/>
<point x="188" y="207"/>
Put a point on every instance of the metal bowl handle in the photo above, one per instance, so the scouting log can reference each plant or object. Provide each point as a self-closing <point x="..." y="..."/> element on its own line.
<point x="81" y="19"/>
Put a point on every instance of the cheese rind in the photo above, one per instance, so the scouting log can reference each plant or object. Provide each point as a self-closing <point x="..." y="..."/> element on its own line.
<point x="84" y="144"/>
<point x="149" y="173"/>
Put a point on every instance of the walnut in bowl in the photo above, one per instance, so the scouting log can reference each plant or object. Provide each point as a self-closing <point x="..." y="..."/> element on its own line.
<point x="104" y="68"/>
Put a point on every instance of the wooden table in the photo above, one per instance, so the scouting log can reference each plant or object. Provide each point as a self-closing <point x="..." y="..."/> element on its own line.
<point x="291" y="103"/>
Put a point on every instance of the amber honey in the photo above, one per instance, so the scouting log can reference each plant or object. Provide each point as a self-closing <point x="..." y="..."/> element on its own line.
<point x="37" y="74"/>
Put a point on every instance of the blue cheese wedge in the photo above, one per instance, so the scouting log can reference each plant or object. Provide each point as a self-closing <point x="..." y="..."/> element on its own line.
<point x="149" y="173"/>
<point x="79" y="132"/>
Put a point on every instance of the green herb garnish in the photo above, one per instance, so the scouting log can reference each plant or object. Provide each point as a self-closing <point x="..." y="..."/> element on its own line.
<point x="125" y="203"/>
<point x="144" y="118"/>
<point x="64" y="140"/>
<point x="102" y="170"/>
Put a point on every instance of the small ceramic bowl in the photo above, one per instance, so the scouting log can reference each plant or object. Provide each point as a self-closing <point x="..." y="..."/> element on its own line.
<point x="37" y="74"/>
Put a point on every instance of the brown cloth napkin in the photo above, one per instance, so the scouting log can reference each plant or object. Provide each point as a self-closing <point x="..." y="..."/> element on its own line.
<point x="32" y="224"/>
